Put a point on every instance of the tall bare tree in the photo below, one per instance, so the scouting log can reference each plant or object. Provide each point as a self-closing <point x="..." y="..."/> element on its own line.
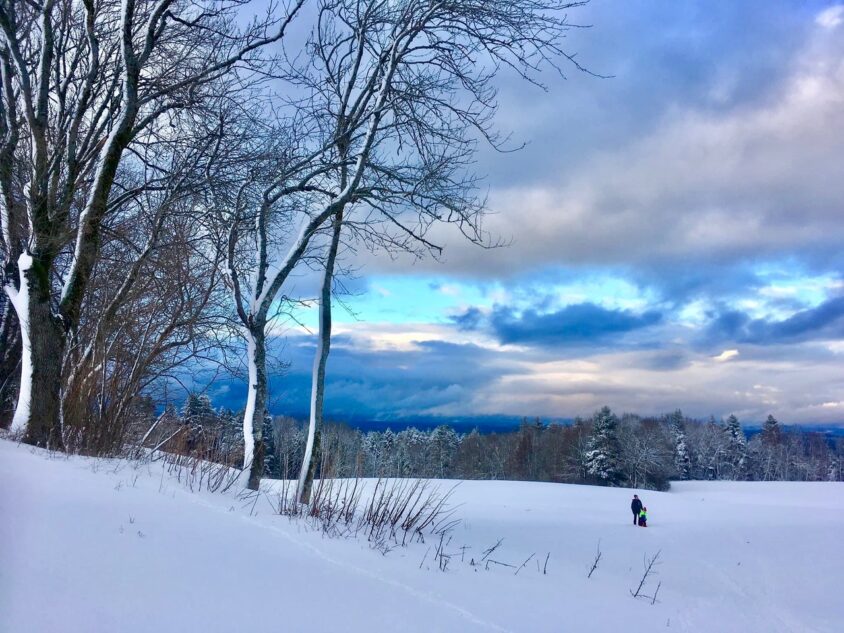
<point x="412" y="83"/>
<point x="81" y="81"/>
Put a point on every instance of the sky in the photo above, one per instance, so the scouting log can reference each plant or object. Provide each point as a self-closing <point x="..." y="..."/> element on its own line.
<point x="674" y="233"/>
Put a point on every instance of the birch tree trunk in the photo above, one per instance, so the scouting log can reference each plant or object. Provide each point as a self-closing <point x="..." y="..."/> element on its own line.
<point x="255" y="324"/>
<point x="256" y="405"/>
<point x="310" y="460"/>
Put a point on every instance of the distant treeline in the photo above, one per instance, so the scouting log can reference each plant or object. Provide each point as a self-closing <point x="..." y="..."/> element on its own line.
<point x="604" y="449"/>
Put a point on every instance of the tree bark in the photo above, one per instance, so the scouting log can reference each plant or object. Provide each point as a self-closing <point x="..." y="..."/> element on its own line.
<point x="256" y="405"/>
<point x="38" y="411"/>
<point x="309" y="462"/>
<point x="10" y="359"/>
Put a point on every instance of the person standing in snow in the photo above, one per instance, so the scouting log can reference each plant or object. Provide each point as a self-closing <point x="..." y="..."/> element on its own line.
<point x="643" y="517"/>
<point x="636" y="506"/>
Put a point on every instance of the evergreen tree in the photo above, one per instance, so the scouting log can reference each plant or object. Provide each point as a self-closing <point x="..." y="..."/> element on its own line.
<point x="268" y="434"/>
<point x="170" y="412"/>
<point x="198" y="411"/>
<point x="444" y="442"/>
<point x="418" y="446"/>
<point x="231" y="432"/>
<point x="771" y="431"/>
<point x="682" y="459"/>
<point x="388" y="453"/>
<point x="832" y="472"/>
<point x="372" y="450"/>
<point x="603" y="456"/>
<point x="737" y="454"/>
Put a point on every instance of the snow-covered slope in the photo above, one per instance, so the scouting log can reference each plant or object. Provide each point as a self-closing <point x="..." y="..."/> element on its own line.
<point x="94" y="545"/>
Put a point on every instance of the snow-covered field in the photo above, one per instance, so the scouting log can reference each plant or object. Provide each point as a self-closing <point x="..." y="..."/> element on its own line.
<point x="96" y="545"/>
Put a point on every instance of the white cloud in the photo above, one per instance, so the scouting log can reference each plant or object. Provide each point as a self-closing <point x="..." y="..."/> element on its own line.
<point x="831" y="17"/>
<point x="567" y="388"/>
<point x="836" y="347"/>
<point x="727" y="354"/>
<point x="778" y="292"/>
<point x="450" y="290"/>
<point x="406" y="336"/>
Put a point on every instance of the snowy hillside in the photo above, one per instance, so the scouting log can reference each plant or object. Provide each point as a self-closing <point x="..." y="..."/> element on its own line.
<point x="98" y="545"/>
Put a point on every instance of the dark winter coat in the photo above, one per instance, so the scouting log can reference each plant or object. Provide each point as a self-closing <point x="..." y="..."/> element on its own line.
<point x="636" y="506"/>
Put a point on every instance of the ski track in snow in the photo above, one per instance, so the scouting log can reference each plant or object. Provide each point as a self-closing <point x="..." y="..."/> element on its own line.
<point x="468" y="615"/>
<point x="279" y="531"/>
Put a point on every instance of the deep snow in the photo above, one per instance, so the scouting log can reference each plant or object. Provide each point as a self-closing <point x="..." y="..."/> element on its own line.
<point x="102" y="545"/>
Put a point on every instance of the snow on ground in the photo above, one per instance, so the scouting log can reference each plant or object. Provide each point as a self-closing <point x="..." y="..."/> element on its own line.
<point x="99" y="545"/>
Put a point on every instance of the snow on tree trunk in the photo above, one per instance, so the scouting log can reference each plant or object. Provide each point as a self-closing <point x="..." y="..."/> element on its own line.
<point x="308" y="470"/>
<point x="256" y="406"/>
<point x="20" y="302"/>
<point x="42" y="348"/>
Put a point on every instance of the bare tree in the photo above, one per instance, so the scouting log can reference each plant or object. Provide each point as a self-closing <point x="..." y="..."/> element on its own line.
<point x="312" y="444"/>
<point x="411" y="84"/>
<point x="81" y="82"/>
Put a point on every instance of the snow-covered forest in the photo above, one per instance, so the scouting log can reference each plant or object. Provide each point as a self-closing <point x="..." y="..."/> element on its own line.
<point x="605" y="449"/>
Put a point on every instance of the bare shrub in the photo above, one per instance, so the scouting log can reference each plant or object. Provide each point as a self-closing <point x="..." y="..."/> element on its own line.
<point x="396" y="512"/>
<point x="649" y="564"/>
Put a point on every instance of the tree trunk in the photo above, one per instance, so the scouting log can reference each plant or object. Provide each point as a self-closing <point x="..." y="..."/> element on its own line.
<point x="42" y="349"/>
<point x="256" y="405"/>
<point x="10" y="359"/>
<point x="308" y="470"/>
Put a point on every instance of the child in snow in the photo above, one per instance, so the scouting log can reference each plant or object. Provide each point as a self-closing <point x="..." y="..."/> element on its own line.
<point x="643" y="517"/>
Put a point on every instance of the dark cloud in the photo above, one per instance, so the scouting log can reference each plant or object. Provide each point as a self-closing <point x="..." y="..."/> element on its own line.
<point x="799" y="383"/>
<point x="379" y="384"/>
<point x="659" y="54"/>
<point x="823" y="322"/>
<point x="665" y="360"/>
<point x="584" y="323"/>
<point x="471" y="319"/>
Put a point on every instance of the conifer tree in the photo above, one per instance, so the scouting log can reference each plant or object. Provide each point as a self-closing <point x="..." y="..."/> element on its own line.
<point x="271" y="462"/>
<point x="603" y="456"/>
<point x="388" y="453"/>
<point x="682" y="459"/>
<point x="444" y="442"/>
<point x="197" y="410"/>
<point x="771" y="431"/>
<point x="737" y="454"/>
